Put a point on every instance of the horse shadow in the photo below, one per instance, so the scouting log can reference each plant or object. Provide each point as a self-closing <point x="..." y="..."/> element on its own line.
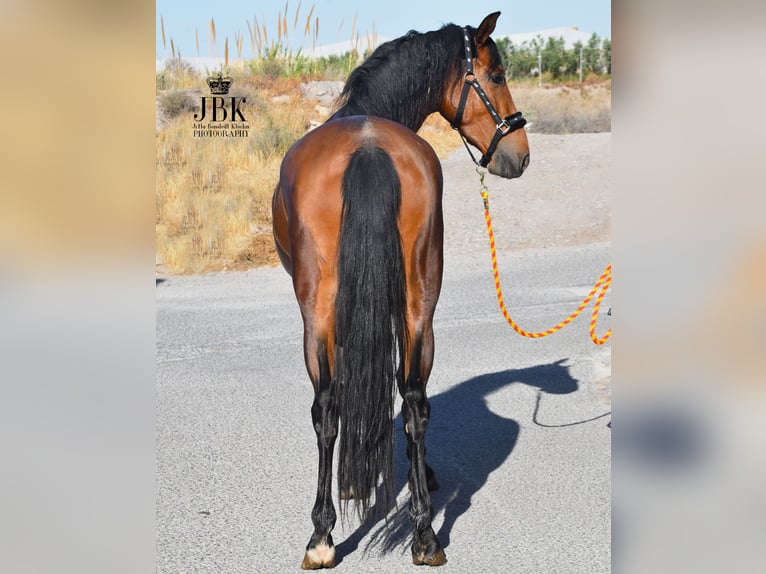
<point x="465" y="443"/>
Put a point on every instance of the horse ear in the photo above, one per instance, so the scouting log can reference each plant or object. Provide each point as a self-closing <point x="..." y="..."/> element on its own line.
<point x="486" y="27"/>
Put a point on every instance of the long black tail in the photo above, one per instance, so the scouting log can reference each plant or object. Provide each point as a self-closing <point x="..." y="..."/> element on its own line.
<point x="370" y="325"/>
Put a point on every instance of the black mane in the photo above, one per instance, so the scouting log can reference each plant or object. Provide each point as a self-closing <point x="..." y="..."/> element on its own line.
<point x="404" y="79"/>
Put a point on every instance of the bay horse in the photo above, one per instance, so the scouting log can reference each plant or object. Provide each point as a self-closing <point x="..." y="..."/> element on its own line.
<point x="357" y="221"/>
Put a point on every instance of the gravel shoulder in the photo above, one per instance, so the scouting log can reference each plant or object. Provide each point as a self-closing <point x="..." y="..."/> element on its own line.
<point x="563" y="199"/>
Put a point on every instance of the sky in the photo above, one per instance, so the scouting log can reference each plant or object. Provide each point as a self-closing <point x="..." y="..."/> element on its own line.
<point x="391" y="18"/>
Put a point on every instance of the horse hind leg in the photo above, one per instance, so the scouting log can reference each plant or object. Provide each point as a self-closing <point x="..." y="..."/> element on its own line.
<point x="431" y="482"/>
<point x="426" y="548"/>
<point x="320" y="551"/>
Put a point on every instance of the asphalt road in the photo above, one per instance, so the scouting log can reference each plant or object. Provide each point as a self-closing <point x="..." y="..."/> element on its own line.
<point x="519" y="437"/>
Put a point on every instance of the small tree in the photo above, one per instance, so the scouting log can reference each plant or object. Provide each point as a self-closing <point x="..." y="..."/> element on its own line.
<point x="558" y="60"/>
<point x="505" y="47"/>
<point x="606" y="55"/>
<point x="591" y="55"/>
<point x="524" y="60"/>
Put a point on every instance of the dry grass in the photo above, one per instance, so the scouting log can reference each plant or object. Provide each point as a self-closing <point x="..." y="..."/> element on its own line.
<point x="213" y="200"/>
<point x="437" y="132"/>
<point x="566" y="109"/>
<point x="213" y="194"/>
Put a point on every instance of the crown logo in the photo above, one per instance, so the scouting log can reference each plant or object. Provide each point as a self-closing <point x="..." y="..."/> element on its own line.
<point x="218" y="84"/>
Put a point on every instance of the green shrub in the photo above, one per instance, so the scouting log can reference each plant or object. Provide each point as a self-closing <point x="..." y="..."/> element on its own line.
<point x="273" y="138"/>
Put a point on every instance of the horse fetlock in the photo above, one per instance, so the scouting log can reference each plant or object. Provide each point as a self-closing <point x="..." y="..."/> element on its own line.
<point x="324" y="518"/>
<point x="420" y="517"/>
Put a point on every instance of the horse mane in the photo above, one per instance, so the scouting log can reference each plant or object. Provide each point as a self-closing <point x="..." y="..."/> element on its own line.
<point x="405" y="79"/>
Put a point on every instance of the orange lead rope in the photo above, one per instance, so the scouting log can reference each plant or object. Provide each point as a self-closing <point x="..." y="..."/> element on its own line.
<point x="602" y="286"/>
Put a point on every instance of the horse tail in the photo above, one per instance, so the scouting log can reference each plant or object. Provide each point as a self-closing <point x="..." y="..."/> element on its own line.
<point x="370" y="326"/>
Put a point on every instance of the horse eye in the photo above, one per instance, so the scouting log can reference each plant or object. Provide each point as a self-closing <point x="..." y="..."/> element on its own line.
<point x="498" y="79"/>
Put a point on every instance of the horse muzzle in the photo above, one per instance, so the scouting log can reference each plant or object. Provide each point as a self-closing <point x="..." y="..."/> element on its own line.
<point x="508" y="165"/>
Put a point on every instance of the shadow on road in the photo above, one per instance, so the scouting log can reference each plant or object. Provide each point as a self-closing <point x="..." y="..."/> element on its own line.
<point x="465" y="443"/>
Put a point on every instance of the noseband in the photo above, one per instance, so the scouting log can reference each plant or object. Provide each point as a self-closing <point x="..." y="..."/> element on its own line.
<point x="503" y="126"/>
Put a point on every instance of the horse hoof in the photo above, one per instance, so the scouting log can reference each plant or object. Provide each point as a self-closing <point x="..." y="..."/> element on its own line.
<point x="438" y="559"/>
<point x="321" y="556"/>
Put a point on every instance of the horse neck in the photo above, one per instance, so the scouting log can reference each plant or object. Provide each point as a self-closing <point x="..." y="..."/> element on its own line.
<point x="406" y="80"/>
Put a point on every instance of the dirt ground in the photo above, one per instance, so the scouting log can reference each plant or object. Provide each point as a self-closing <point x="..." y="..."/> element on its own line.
<point x="563" y="198"/>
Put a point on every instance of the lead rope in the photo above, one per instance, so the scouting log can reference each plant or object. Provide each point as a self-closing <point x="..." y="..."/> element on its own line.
<point x="603" y="284"/>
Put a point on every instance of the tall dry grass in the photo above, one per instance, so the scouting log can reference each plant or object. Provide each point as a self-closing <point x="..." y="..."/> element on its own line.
<point x="213" y="194"/>
<point x="277" y="49"/>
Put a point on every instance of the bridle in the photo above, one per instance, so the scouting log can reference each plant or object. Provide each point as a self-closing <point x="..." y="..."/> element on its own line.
<point x="503" y="126"/>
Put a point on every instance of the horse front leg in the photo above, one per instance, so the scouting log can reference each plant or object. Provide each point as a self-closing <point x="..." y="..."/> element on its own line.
<point x="320" y="551"/>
